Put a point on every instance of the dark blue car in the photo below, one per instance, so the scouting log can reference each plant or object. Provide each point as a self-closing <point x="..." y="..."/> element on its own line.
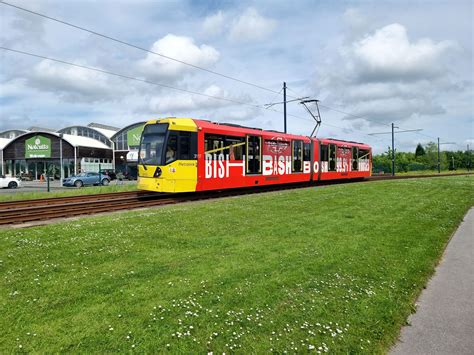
<point x="83" y="179"/>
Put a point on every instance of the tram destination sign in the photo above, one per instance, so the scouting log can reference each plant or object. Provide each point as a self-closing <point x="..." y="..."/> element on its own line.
<point x="38" y="147"/>
<point x="134" y="135"/>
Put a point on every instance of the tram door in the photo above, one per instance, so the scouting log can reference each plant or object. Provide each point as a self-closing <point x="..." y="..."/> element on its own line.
<point x="254" y="154"/>
<point x="332" y="157"/>
<point x="355" y="158"/>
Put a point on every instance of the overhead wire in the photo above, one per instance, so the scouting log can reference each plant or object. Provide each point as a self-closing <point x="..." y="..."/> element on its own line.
<point x="334" y="126"/>
<point x="365" y="118"/>
<point x="140" y="80"/>
<point x="181" y="62"/>
<point x="127" y="77"/>
<point x="137" y="47"/>
<point x="123" y="76"/>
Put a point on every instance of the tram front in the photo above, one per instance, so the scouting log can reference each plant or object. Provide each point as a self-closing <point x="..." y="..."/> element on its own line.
<point x="167" y="160"/>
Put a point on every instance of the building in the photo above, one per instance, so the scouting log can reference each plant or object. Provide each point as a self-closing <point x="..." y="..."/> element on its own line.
<point x="36" y="151"/>
<point x="126" y="143"/>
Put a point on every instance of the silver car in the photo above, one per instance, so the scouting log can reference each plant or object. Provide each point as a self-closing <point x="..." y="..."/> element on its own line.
<point x="83" y="179"/>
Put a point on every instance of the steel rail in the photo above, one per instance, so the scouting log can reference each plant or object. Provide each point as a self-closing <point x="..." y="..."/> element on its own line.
<point x="18" y="212"/>
<point x="59" y="200"/>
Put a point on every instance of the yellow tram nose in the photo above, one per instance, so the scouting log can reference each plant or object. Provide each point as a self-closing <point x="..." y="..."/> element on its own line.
<point x="179" y="176"/>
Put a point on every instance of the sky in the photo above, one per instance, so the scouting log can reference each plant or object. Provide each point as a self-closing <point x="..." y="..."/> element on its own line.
<point x="370" y="63"/>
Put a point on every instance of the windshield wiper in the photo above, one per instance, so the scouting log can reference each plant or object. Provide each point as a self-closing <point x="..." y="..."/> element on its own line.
<point x="143" y="162"/>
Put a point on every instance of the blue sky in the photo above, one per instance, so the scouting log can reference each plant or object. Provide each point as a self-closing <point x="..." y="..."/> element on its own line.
<point x="408" y="62"/>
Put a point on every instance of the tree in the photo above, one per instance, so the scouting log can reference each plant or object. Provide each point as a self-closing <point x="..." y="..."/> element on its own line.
<point x="420" y="151"/>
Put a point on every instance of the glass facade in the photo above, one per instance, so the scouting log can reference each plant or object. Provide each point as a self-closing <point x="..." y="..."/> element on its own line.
<point x="16" y="161"/>
<point x="86" y="132"/>
<point x="11" y="134"/>
<point x="33" y="169"/>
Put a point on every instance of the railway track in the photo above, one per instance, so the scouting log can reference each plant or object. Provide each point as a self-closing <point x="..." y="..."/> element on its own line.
<point x="38" y="210"/>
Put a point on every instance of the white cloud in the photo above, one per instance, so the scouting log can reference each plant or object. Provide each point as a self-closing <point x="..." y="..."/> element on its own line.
<point x="251" y="26"/>
<point x="179" y="47"/>
<point x="71" y="82"/>
<point x="214" y="25"/>
<point x="386" y="77"/>
<point x="389" y="54"/>
<point x="188" y="103"/>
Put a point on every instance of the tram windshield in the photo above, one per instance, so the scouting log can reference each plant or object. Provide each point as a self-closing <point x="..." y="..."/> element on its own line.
<point x="152" y="144"/>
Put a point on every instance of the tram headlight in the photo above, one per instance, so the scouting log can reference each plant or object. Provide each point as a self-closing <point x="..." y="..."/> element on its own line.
<point x="157" y="172"/>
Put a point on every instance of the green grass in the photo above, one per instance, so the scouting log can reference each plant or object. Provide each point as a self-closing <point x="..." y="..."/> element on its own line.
<point x="336" y="267"/>
<point x="428" y="172"/>
<point x="89" y="190"/>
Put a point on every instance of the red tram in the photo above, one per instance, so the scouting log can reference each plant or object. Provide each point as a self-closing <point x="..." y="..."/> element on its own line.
<point x="185" y="155"/>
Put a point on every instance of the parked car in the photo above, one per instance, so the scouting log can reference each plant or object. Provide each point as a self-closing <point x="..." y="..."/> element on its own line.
<point x="9" y="182"/>
<point x="110" y="173"/>
<point x="83" y="179"/>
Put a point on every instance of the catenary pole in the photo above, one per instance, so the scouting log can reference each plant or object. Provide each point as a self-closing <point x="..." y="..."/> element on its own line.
<point x="284" y="105"/>
<point x="439" y="164"/>
<point x="468" y="159"/>
<point x="61" y="158"/>
<point x="392" y="132"/>
<point x="393" y="150"/>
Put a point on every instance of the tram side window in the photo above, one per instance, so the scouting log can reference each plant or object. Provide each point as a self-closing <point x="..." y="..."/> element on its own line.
<point x="185" y="146"/>
<point x="332" y="157"/>
<point x="254" y="144"/>
<point x="306" y="152"/>
<point x="172" y="148"/>
<point x="355" y="158"/>
<point x="324" y="152"/>
<point x="236" y="147"/>
<point x="297" y="156"/>
<point x="213" y="145"/>
<point x="363" y="154"/>
<point x="222" y="146"/>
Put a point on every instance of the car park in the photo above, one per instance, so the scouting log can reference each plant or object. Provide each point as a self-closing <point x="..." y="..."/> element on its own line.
<point x="9" y="182"/>
<point x="84" y="179"/>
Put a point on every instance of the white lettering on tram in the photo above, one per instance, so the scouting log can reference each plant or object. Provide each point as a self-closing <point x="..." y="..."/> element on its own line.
<point x="316" y="167"/>
<point x="364" y="165"/>
<point x="273" y="165"/>
<point x="220" y="167"/>
<point x="341" y="165"/>
<point x="306" y="167"/>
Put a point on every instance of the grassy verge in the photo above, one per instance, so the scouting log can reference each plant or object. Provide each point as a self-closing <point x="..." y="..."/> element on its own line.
<point x="333" y="269"/>
<point x="429" y="172"/>
<point x="89" y="190"/>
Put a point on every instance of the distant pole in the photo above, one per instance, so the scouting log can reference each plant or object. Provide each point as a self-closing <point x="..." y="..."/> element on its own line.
<point x="61" y="158"/>
<point x="439" y="164"/>
<point x="284" y="105"/>
<point x="393" y="150"/>
<point x="47" y="176"/>
<point x="393" y="141"/>
<point x="75" y="161"/>
<point x="468" y="159"/>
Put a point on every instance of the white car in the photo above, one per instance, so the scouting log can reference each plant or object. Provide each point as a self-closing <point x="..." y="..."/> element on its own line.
<point x="9" y="182"/>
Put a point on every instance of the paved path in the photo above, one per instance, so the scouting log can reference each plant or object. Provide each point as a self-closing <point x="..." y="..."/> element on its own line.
<point x="444" y="321"/>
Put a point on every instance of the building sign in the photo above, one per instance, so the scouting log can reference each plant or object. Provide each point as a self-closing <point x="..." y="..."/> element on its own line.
<point x="134" y="135"/>
<point x="38" y="147"/>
